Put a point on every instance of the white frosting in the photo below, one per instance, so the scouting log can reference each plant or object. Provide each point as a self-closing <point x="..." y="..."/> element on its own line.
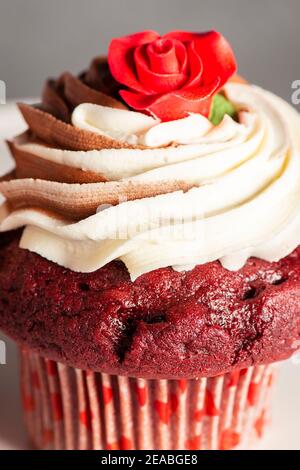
<point x="218" y="151"/>
<point x="125" y="126"/>
<point x="136" y="128"/>
<point x="247" y="202"/>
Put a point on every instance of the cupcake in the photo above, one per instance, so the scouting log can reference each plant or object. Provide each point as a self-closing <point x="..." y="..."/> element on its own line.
<point x="150" y="265"/>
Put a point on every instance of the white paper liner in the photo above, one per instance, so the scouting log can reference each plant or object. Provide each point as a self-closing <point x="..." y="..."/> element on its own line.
<point x="67" y="408"/>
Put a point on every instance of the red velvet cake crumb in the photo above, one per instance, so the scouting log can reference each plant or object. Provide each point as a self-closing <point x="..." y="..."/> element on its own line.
<point x="166" y="324"/>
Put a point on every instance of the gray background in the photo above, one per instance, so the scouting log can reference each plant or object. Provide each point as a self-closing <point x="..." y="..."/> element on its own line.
<point x="40" y="38"/>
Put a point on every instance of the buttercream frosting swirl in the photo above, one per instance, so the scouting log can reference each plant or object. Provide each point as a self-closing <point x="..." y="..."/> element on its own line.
<point x="245" y="200"/>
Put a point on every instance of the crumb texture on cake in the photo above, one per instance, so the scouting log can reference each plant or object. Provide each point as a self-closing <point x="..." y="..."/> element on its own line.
<point x="166" y="324"/>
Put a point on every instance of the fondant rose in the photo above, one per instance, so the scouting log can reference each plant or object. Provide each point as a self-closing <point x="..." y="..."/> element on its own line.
<point x="172" y="75"/>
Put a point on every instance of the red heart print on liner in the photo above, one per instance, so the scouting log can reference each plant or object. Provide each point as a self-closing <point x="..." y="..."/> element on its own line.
<point x="107" y="394"/>
<point x="48" y="436"/>
<point x="56" y="406"/>
<point x="28" y="402"/>
<point x="51" y="368"/>
<point x="85" y="417"/>
<point x="253" y="393"/>
<point x="260" y="423"/>
<point x="166" y="410"/>
<point x="194" y="443"/>
<point x="182" y="384"/>
<point x="123" y="444"/>
<point x="210" y="407"/>
<point x="198" y="415"/>
<point x="234" y="378"/>
<point x="229" y="439"/>
<point x="141" y="394"/>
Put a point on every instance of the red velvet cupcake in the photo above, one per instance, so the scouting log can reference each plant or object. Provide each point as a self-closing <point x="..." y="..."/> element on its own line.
<point x="149" y="259"/>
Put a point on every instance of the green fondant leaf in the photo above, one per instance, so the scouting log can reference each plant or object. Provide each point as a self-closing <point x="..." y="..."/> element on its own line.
<point x="220" y="107"/>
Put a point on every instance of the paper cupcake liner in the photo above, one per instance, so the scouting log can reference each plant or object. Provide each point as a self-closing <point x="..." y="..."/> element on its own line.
<point x="67" y="408"/>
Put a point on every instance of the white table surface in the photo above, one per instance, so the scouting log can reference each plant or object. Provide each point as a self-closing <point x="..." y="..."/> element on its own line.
<point x="285" y="432"/>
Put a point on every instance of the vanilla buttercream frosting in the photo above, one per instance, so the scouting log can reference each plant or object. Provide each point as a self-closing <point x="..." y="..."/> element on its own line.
<point x="245" y="200"/>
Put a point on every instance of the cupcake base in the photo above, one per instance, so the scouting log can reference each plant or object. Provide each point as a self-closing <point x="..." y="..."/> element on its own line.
<point x="67" y="408"/>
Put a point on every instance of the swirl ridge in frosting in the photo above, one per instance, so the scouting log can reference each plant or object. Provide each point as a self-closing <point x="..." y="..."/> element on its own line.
<point x="164" y="194"/>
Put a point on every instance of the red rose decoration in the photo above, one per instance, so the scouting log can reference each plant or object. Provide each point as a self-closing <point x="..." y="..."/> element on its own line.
<point x="172" y="75"/>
